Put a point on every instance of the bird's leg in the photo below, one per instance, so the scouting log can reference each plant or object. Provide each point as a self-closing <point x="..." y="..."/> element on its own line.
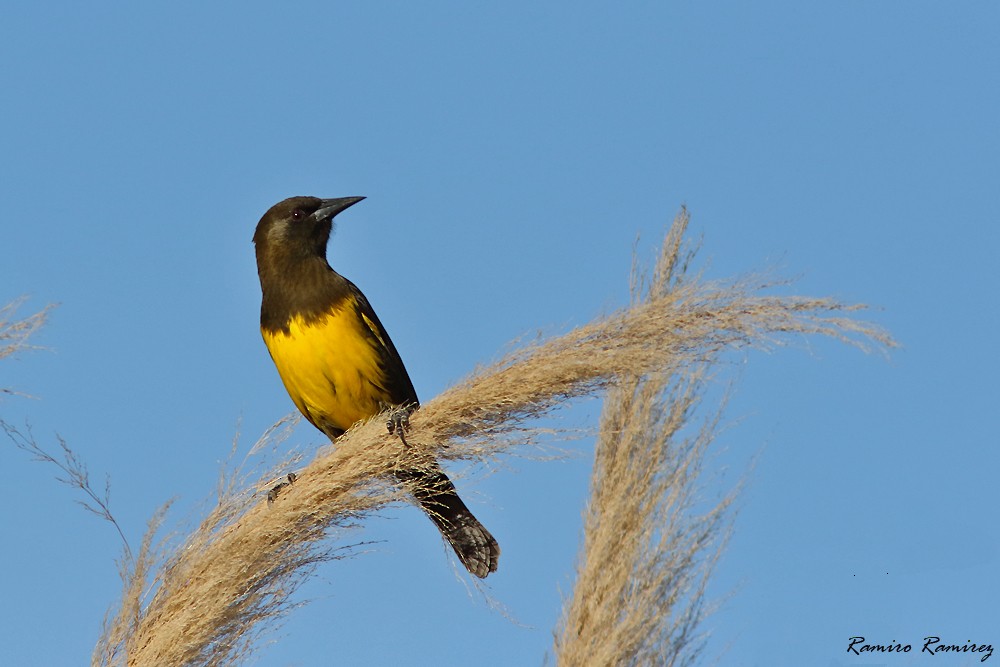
<point x="398" y="420"/>
<point x="276" y="489"/>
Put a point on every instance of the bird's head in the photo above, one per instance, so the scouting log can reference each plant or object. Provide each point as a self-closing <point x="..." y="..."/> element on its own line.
<point x="299" y="226"/>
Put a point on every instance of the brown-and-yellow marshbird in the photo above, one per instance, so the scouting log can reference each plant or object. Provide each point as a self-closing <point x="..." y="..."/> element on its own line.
<point x="336" y="359"/>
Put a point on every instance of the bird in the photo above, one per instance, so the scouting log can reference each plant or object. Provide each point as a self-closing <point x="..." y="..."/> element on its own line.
<point x="337" y="362"/>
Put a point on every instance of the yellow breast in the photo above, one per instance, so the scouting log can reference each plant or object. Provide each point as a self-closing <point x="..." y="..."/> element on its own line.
<point x="330" y="368"/>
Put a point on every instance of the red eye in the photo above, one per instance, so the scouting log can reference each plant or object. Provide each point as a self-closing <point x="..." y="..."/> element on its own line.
<point x="298" y="214"/>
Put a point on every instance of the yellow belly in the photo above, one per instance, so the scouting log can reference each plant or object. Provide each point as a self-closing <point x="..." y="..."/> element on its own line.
<point x="330" y="368"/>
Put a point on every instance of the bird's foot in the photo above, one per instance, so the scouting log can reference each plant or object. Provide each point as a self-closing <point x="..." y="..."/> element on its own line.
<point x="398" y="421"/>
<point x="276" y="489"/>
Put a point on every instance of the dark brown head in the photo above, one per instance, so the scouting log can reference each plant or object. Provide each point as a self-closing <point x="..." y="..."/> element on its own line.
<point x="298" y="227"/>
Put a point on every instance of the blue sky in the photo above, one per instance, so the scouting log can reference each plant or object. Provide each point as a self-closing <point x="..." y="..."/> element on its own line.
<point x="510" y="156"/>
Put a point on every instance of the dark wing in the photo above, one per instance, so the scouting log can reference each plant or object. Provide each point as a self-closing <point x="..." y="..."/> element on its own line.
<point x="398" y="386"/>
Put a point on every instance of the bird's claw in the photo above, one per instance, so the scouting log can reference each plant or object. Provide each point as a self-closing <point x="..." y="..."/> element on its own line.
<point x="276" y="489"/>
<point x="398" y="421"/>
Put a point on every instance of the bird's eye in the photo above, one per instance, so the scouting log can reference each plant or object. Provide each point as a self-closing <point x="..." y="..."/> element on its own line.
<point x="298" y="214"/>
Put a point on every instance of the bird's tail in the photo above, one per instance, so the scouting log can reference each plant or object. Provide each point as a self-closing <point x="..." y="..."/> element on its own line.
<point x="437" y="496"/>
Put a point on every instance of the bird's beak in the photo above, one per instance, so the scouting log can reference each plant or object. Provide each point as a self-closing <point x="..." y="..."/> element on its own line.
<point x="331" y="207"/>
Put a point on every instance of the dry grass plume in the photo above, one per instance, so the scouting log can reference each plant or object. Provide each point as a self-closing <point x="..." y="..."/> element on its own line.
<point x="207" y="601"/>
<point x="639" y="594"/>
<point x="14" y="333"/>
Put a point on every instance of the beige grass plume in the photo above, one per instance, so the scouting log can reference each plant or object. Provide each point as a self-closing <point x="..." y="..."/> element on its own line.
<point x="14" y="333"/>
<point x="646" y="556"/>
